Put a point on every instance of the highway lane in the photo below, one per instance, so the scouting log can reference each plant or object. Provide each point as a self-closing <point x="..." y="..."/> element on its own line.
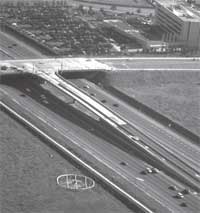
<point x="110" y="101"/>
<point x="4" y="55"/>
<point x="17" y="49"/>
<point x="67" y="134"/>
<point x="190" y="153"/>
<point x="23" y="56"/>
<point x="183" y="173"/>
<point x="173" y="168"/>
<point x="152" y="63"/>
<point x="66" y="152"/>
<point x="102" y="157"/>
<point x="156" y="184"/>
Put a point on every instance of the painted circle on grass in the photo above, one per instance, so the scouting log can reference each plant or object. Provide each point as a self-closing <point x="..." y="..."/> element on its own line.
<point x="75" y="182"/>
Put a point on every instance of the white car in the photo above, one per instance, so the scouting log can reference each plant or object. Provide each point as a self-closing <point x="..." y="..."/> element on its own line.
<point x="155" y="170"/>
<point x="148" y="170"/>
<point x="179" y="195"/>
<point x="86" y="87"/>
<point x="136" y="138"/>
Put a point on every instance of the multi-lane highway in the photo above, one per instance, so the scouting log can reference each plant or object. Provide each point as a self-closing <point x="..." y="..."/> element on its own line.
<point x="15" y="49"/>
<point x="155" y="185"/>
<point x="180" y="170"/>
<point x="153" y="63"/>
<point x="168" y="139"/>
<point x="172" y="147"/>
<point x="68" y="123"/>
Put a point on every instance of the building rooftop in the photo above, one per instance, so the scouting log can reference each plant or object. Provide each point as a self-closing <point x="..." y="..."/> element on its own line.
<point x="121" y="25"/>
<point x="137" y="33"/>
<point x="181" y="9"/>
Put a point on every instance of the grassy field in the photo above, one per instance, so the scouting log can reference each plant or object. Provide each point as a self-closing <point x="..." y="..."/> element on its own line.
<point x="174" y="94"/>
<point x="28" y="177"/>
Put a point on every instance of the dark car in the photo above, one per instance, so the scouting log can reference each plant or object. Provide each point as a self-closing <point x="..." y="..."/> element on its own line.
<point x="174" y="188"/>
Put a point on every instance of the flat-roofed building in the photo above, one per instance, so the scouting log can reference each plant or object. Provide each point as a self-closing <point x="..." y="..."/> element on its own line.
<point x="136" y="34"/>
<point x="180" y="21"/>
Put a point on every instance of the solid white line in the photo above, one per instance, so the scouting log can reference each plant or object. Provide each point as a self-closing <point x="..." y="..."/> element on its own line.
<point x="6" y="53"/>
<point x="85" y="100"/>
<point x="93" y="152"/>
<point x="159" y="69"/>
<point x="149" y="58"/>
<point x="77" y="159"/>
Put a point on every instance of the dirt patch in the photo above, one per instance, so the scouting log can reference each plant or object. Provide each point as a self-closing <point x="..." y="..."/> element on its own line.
<point x="28" y="182"/>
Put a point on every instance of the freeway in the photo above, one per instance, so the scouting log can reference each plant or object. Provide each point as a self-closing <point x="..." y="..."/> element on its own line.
<point x="181" y="152"/>
<point x="4" y="55"/>
<point x="17" y="49"/>
<point x="155" y="185"/>
<point x="152" y="63"/>
<point x="113" y="103"/>
<point x="179" y="169"/>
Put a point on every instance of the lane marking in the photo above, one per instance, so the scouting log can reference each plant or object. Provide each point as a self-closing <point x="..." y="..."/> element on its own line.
<point x="158" y="69"/>
<point x="78" y="160"/>
<point x="149" y="58"/>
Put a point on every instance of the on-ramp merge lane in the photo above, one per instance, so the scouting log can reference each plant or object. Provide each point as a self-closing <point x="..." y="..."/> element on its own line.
<point x="163" y="141"/>
<point x="166" y="137"/>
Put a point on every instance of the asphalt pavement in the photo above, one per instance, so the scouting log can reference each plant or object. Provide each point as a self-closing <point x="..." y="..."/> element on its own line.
<point x="17" y="49"/>
<point x="177" y="150"/>
<point x="110" y="155"/>
<point x="152" y="63"/>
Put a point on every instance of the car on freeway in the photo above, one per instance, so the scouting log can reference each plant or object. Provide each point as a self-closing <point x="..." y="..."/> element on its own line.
<point x="116" y="105"/>
<point x="103" y="101"/>
<point x="183" y="204"/>
<point x="43" y="96"/>
<point x="188" y="191"/>
<point x="155" y="170"/>
<point x="194" y="193"/>
<point x="86" y="87"/>
<point x="123" y="163"/>
<point x="146" y="147"/>
<point x="174" y="188"/>
<point x="185" y="191"/>
<point x="45" y="101"/>
<point x="22" y="95"/>
<point x="148" y="170"/>
<point x="179" y="195"/>
<point x="28" y="90"/>
<point x="136" y="138"/>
